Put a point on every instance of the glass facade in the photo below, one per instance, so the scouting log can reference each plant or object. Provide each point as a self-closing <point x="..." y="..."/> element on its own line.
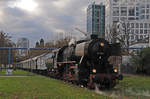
<point x="96" y="20"/>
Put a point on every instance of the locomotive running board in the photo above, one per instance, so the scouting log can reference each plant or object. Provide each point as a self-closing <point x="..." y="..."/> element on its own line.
<point x="66" y="62"/>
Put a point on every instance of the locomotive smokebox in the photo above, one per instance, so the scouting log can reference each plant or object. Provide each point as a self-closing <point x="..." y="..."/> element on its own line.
<point x="93" y="36"/>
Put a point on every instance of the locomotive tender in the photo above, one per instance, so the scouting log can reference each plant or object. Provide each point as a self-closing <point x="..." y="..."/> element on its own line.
<point x="84" y="62"/>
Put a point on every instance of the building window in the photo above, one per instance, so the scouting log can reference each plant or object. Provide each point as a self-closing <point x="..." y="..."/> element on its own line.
<point x="147" y="17"/>
<point x="97" y="20"/>
<point x="98" y="28"/>
<point x="145" y="25"/>
<point x="142" y="11"/>
<point x="125" y="25"/>
<point x="137" y="8"/>
<point x="137" y="13"/>
<point x="123" y="11"/>
<point x="137" y="18"/>
<point x="132" y="37"/>
<point x="132" y="31"/>
<point x="124" y="37"/>
<point x="141" y="31"/>
<point x="145" y="31"/>
<point x="138" y="3"/>
<point x="148" y="31"/>
<point x="115" y="1"/>
<point x="141" y="25"/>
<point x="141" y="37"/>
<point x="116" y="11"/>
<point x="132" y="25"/>
<point x="131" y="18"/>
<point x="142" y="6"/>
<point x="131" y="11"/>
<point x="142" y="16"/>
<point x="136" y="31"/>
<point x="147" y="11"/>
<point x="132" y="0"/>
<point x="123" y="1"/>
<point x="137" y="25"/>
<point x="116" y="19"/>
<point x="136" y="37"/>
<point x="123" y="18"/>
<point x="97" y="14"/>
<point x="148" y="5"/>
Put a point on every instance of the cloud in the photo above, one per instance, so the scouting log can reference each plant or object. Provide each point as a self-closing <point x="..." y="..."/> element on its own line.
<point x="50" y="18"/>
<point x="61" y="3"/>
<point x="28" y="5"/>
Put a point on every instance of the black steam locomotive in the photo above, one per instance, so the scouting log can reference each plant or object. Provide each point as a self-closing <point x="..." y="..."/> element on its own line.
<point x="86" y="63"/>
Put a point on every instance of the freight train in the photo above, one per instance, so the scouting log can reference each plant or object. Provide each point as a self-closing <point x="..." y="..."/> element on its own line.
<point x="84" y="62"/>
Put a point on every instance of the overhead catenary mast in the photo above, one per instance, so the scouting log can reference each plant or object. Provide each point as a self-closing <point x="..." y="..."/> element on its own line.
<point x="85" y="34"/>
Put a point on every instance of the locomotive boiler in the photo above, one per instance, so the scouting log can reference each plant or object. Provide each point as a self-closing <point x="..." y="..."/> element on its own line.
<point x="86" y="63"/>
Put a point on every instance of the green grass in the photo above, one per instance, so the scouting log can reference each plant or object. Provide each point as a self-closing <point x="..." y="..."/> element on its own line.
<point x="16" y="72"/>
<point x="135" y="86"/>
<point x="136" y="82"/>
<point x="39" y="87"/>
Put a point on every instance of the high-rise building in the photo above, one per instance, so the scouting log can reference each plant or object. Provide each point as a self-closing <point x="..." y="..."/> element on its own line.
<point x="134" y="12"/>
<point x="96" y="20"/>
<point x="22" y="43"/>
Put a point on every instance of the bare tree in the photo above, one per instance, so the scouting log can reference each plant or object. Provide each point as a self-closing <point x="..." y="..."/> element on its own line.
<point x="62" y="42"/>
<point x="58" y="44"/>
<point x="125" y="31"/>
<point x="6" y="42"/>
<point x="120" y="32"/>
<point x="112" y="33"/>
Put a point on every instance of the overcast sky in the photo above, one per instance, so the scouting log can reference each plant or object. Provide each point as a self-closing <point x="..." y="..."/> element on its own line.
<point x="37" y="19"/>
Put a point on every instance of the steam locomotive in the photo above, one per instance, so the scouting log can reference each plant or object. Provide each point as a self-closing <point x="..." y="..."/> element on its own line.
<point x="86" y="63"/>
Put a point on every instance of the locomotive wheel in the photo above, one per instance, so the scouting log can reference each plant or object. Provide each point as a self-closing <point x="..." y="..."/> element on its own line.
<point x="104" y="84"/>
<point x="113" y="83"/>
<point x="107" y="84"/>
<point x="91" y="85"/>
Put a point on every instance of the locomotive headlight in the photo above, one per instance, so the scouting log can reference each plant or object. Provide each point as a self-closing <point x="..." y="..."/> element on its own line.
<point x="94" y="70"/>
<point x="115" y="70"/>
<point x="101" y="44"/>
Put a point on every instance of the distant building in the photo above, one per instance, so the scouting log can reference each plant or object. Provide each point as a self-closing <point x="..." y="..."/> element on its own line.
<point x="22" y="43"/>
<point x="96" y="20"/>
<point x="41" y="42"/>
<point x="136" y="13"/>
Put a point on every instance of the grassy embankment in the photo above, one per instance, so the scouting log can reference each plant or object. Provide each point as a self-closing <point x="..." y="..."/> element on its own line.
<point x="39" y="87"/>
<point x="16" y="73"/>
<point x="134" y="87"/>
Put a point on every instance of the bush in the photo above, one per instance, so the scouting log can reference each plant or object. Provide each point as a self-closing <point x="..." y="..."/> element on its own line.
<point x="49" y="65"/>
<point x="141" y="61"/>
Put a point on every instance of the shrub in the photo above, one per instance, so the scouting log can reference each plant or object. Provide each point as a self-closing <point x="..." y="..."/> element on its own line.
<point x="141" y="61"/>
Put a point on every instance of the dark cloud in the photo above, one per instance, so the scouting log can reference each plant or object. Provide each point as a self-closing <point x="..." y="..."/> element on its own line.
<point x="48" y="19"/>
